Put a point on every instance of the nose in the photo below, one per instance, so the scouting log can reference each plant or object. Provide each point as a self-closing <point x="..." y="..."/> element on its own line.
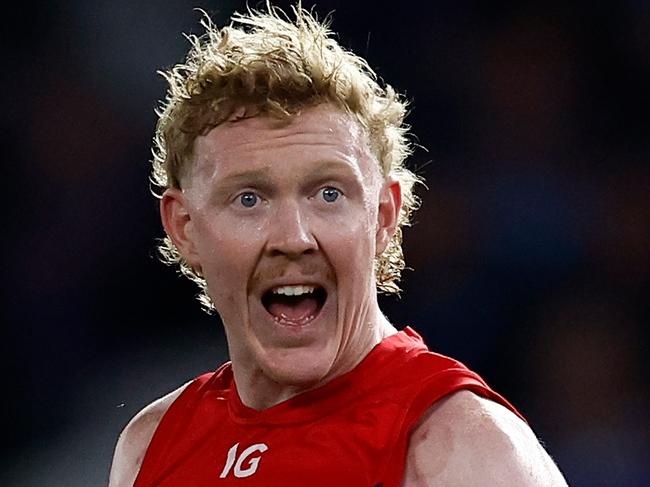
<point x="289" y="233"/>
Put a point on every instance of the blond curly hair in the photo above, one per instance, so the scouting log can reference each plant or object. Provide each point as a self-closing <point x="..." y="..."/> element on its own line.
<point x="278" y="65"/>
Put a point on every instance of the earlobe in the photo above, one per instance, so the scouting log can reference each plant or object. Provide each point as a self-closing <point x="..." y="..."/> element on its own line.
<point x="176" y="219"/>
<point x="390" y="204"/>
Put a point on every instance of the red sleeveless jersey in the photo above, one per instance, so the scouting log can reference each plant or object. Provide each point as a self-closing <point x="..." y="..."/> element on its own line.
<point x="353" y="431"/>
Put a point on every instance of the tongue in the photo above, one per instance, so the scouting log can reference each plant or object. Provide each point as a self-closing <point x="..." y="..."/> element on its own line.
<point x="293" y="308"/>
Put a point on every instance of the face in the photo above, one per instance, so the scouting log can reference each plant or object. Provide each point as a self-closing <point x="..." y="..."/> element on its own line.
<point x="284" y="220"/>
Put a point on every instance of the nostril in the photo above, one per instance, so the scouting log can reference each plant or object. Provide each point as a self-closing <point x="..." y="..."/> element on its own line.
<point x="290" y="254"/>
<point x="292" y="249"/>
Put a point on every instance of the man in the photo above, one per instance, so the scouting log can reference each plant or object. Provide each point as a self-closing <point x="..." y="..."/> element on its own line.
<point x="280" y="159"/>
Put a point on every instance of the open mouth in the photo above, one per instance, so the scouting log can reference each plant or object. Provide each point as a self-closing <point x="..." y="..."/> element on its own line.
<point x="294" y="305"/>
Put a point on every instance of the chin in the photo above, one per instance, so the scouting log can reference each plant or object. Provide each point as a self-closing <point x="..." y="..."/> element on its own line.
<point x="298" y="368"/>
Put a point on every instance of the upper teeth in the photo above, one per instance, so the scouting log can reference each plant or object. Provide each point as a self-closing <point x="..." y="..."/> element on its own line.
<point x="294" y="290"/>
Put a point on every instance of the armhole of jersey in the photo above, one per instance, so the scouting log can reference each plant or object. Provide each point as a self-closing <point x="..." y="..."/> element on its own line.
<point x="171" y="422"/>
<point x="447" y="382"/>
<point x="430" y="391"/>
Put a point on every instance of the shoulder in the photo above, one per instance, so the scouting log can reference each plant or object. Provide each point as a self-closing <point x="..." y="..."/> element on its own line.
<point x="134" y="440"/>
<point x="466" y="440"/>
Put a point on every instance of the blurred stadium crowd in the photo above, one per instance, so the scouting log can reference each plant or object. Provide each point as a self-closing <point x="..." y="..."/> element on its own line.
<point x="530" y="252"/>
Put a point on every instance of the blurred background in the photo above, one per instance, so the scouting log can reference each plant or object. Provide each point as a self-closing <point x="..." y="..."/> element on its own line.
<point x="530" y="253"/>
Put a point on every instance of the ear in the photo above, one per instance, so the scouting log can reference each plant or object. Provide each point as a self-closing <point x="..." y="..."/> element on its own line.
<point x="176" y="219"/>
<point x="390" y="204"/>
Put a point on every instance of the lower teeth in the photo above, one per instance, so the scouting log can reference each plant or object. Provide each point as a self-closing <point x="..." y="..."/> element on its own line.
<point x="285" y="319"/>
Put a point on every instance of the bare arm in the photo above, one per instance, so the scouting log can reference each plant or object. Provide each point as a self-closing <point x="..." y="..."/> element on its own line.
<point x="134" y="440"/>
<point x="466" y="440"/>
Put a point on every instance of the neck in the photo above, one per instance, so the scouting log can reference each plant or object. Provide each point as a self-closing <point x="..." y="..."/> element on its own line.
<point x="258" y="391"/>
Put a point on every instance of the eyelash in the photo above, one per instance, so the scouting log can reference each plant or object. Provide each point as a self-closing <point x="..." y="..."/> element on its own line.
<point x="240" y="197"/>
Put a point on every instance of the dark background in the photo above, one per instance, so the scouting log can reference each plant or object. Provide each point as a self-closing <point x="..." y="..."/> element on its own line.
<point x="530" y="252"/>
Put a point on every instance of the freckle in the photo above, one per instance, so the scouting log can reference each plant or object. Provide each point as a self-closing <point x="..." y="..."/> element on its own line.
<point x="425" y="434"/>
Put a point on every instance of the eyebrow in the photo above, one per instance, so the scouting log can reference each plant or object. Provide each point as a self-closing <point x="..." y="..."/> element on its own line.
<point x="262" y="175"/>
<point x="260" y="178"/>
<point x="253" y="176"/>
<point x="326" y="169"/>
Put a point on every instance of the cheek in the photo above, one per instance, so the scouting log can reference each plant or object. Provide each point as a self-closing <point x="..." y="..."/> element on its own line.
<point x="349" y="242"/>
<point x="227" y="257"/>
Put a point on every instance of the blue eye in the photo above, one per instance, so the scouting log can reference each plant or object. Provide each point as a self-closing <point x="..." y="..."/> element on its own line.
<point x="330" y="194"/>
<point x="248" y="199"/>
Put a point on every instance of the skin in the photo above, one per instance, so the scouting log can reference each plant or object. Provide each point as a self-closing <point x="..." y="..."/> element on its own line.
<point x="468" y="441"/>
<point x="134" y="440"/>
<point x="292" y="235"/>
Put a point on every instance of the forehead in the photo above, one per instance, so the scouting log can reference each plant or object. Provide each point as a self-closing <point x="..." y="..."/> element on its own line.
<point x="317" y="134"/>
